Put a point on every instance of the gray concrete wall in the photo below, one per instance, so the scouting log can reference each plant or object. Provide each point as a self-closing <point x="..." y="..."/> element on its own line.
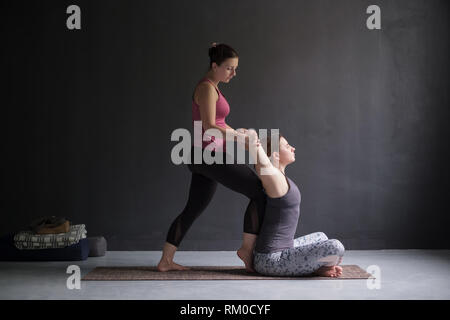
<point x="87" y="115"/>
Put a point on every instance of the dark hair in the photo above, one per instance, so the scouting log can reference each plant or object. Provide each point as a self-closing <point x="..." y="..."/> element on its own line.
<point x="220" y="52"/>
<point x="268" y="149"/>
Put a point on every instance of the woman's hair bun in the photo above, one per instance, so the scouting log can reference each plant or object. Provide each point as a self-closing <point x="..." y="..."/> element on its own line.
<point x="219" y="52"/>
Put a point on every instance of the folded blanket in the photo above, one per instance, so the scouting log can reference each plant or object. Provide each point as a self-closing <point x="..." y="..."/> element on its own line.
<point x="31" y="240"/>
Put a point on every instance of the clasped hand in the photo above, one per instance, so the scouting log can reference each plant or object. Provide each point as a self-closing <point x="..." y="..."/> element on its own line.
<point x="251" y="137"/>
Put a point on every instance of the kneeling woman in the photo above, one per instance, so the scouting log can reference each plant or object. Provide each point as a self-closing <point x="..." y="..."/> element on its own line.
<point x="276" y="252"/>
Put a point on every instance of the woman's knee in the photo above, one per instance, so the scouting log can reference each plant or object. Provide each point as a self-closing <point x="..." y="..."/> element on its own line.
<point x="254" y="187"/>
<point x="258" y="193"/>
<point x="337" y="247"/>
<point x="320" y="236"/>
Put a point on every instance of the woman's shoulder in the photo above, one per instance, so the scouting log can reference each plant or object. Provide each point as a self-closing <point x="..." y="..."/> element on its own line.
<point x="204" y="89"/>
<point x="206" y="85"/>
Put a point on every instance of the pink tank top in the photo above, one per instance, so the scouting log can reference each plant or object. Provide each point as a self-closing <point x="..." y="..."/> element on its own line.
<point x="222" y="110"/>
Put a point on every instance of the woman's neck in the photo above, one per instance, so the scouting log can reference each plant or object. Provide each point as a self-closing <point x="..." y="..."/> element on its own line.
<point x="210" y="76"/>
<point x="282" y="167"/>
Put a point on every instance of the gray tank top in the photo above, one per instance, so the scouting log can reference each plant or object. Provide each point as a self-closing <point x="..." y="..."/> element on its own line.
<point x="280" y="221"/>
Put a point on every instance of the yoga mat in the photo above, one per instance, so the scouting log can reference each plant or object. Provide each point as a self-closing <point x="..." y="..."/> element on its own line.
<point x="206" y="273"/>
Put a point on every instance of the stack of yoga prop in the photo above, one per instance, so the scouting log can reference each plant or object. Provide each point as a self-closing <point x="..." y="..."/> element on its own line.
<point x="50" y="239"/>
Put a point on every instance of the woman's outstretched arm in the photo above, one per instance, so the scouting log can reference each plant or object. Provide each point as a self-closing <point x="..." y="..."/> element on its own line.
<point x="263" y="165"/>
<point x="274" y="182"/>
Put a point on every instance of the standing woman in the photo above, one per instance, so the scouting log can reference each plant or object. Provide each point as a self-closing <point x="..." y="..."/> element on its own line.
<point x="211" y="108"/>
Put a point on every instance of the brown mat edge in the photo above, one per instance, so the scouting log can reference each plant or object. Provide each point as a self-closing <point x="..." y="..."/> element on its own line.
<point x="90" y="277"/>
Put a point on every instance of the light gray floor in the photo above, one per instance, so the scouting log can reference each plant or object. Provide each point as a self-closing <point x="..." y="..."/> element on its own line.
<point x="404" y="274"/>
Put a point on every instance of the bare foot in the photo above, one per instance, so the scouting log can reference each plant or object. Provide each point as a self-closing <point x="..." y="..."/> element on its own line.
<point x="170" y="265"/>
<point x="326" y="271"/>
<point x="247" y="257"/>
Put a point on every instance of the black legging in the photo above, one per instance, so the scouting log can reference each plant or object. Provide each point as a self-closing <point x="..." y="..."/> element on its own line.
<point x="237" y="177"/>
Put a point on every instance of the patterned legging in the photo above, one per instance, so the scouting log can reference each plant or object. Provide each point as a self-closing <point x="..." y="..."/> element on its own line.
<point x="309" y="253"/>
